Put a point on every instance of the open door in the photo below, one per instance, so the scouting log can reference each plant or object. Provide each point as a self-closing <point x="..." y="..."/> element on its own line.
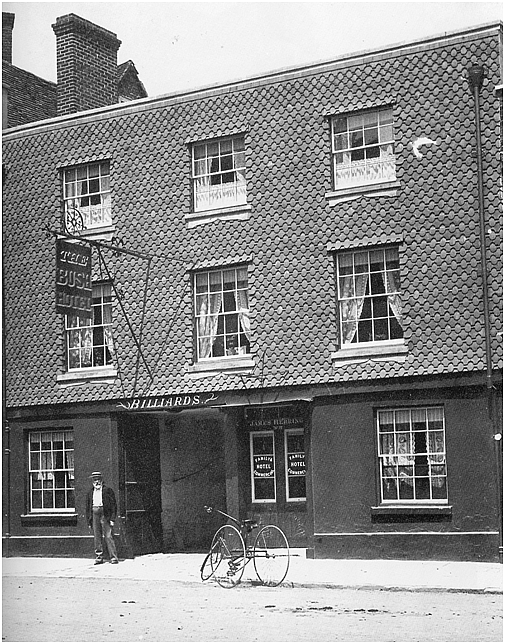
<point x="141" y="483"/>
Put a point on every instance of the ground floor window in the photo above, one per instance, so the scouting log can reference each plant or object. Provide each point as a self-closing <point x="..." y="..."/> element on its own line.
<point x="51" y="471"/>
<point x="263" y="467"/>
<point x="412" y="456"/>
<point x="294" y="445"/>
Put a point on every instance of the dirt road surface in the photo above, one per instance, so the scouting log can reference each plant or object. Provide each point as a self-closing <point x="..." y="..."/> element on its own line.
<point x="39" y="609"/>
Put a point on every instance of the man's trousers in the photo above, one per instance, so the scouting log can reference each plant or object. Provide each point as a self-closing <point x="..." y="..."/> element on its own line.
<point x="102" y="531"/>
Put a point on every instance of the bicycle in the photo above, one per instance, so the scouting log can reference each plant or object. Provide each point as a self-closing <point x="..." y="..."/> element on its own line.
<point x="230" y="552"/>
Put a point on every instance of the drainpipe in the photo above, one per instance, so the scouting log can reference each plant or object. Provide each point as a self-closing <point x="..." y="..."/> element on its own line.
<point x="476" y="74"/>
<point x="6" y="433"/>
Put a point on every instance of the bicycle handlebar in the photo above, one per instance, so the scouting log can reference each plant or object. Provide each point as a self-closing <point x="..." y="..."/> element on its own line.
<point x="249" y="524"/>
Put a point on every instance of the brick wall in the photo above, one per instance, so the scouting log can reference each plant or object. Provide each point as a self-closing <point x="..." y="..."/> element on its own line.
<point x="86" y="65"/>
<point x="7" y="26"/>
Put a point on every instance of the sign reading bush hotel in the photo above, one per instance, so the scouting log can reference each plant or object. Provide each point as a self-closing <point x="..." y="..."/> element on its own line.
<point x="73" y="279"/>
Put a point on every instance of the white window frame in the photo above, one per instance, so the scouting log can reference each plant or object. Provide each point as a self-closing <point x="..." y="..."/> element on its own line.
<point x="48" y="469"/>
<point x="396" y="450"/>
<point x="354" y="280"/>
<point x="368" y="134"/>
<point x="218" y="173"/>
<point x="274" y="477"/>
<point x="87" y="197"/>
<point x="287" y="432"/>
<point x="97" y="329"/>
<point x="207" y="296"/>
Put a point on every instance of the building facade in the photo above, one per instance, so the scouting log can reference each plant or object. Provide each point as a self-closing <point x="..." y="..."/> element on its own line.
<point x="279" y="296"/>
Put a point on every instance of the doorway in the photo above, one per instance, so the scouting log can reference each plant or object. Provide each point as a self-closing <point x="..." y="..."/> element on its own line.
<point x="140" y="483"/>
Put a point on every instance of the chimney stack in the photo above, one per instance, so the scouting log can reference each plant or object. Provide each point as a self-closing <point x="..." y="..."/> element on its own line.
<point x="86" y="60"/>
<point x="7" y="27"/>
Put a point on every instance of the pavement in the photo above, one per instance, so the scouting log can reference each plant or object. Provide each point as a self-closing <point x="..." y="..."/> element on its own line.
<point x="439" y="576"/>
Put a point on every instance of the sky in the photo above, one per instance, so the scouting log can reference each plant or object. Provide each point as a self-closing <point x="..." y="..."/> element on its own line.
<point x="177" y="46"/>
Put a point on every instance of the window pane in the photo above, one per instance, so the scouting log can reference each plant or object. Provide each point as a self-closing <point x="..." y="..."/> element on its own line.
<point x="264" y="489"/>
<point x="385" y="116"/>
<point x="340" y="124"/>
<point x="297" y="487"/>
<point x="361" y="263"/>
<point x="371" y="136"/>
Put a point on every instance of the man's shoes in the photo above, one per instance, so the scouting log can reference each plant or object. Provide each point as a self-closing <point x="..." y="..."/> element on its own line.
<point x="114" y="561"/>
<point x="98" y="561"/>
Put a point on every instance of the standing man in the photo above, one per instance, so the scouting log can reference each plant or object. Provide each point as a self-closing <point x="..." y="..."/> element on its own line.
<point x="101" y="510"/>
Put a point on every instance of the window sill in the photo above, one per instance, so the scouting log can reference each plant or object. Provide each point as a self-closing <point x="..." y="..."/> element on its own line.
<point x="385" y="189"/>
<point x="228" y="366"/>
<point x="393" y="350"/>
<point x="100" y="232"/>
<point x="98" y="375"/>
<point x="239" y="212"/>
<point x="55" y="519"/>
<point x="411" y="513"/>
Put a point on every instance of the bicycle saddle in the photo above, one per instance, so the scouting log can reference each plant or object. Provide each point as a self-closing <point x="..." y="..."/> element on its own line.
<point x="249" y="524"/>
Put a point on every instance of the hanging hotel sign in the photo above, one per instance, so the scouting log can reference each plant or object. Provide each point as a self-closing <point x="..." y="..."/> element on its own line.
<point x="169" y="402"/>
<point x="263" y="465"/>
<point x="73" y="279"/>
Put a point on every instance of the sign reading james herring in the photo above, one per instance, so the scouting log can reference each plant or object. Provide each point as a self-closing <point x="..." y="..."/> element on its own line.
<point x="73" y="279"/>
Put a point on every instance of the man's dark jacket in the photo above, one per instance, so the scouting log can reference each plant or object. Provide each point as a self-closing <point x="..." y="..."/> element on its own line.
<point x="109" y="505"/>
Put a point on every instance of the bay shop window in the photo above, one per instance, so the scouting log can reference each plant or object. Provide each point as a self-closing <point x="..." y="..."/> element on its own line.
<point x="221" y="309"/>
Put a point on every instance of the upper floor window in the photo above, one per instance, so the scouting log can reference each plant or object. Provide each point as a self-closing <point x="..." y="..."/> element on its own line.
<point x="370" y="306"/>
<point x="219" y="174"/>
<point x="362" y="147"/>
<point x="412" y="457"/>
<point x="87" y="197"/>
<point x="221" y="306"/>
<point x="51" y="471"/>
<point x="89" y="342"/>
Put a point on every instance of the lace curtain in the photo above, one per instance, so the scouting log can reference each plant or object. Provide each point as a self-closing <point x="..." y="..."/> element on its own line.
<point x="243" y="313"/>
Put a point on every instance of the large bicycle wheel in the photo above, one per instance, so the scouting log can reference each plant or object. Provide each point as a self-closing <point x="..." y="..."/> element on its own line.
<point x="271" y="555"/>
<point x="210" y="562"/>
<point x="229" y="544"/>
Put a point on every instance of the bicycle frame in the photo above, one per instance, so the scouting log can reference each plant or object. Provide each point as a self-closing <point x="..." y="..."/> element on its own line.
<point x="230" y="552"/>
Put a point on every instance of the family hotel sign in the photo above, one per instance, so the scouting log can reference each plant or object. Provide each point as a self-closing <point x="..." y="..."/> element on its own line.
<point x="73" y="279"/>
